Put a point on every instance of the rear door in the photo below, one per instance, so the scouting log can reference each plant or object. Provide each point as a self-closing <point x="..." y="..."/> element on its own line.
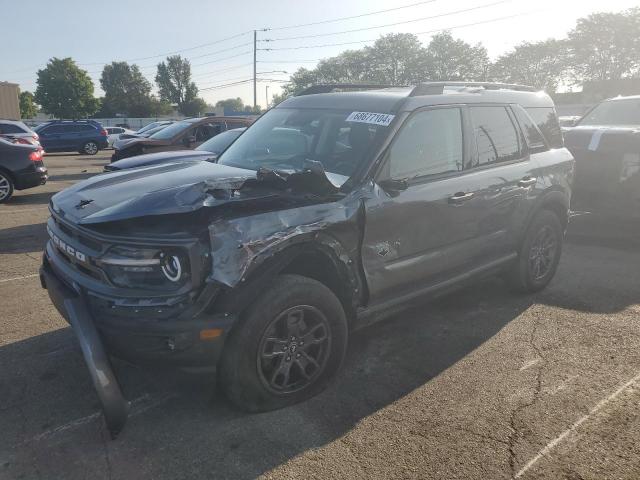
<point x="503" y="175"/>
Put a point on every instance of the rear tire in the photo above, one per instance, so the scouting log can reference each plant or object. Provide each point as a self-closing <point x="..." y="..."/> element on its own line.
<point x="289" y="345"/>
<point x="6" y="187"/>
<point x="89" y="148"/>
<point x="539" y="254"/>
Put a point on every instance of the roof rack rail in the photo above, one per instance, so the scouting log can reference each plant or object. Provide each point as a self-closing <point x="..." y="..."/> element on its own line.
<point x="437" y="88"/>
<point x="353" y="87"/>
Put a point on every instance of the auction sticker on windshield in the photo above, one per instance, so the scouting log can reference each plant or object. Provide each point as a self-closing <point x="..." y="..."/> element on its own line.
<point x="371" y="118"/>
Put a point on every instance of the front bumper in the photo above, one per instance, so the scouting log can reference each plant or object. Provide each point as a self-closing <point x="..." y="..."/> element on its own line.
<point x="104" y="329"/>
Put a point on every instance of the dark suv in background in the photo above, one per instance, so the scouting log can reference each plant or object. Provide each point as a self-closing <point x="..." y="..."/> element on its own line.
<point x="82" y="136"/>
<point x="332" y="211"/>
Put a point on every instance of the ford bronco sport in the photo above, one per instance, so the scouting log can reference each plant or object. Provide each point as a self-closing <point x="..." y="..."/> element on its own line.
<point x="331" y="211"/>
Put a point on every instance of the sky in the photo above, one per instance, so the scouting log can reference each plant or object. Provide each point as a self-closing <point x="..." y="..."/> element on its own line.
<point x="217" y="36"/>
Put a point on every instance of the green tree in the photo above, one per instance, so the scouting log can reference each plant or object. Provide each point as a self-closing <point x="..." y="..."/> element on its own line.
<point x="28" y="107"/>
<point x="278" y="98"/>
<point x="448" y="58"/>
<point x="395" y="59"/>
<point x="606" y="46"/>
<point x="174" y="82"/>
<point x="126" y="90"/>
<point x="541" y="64"/>
<point x="194" y="107"/>
<point x="64" y="90"/>
<point x="233" y="104"/>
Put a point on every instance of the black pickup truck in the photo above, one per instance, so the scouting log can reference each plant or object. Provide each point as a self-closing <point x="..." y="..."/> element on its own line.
<point x="333" y="210"/>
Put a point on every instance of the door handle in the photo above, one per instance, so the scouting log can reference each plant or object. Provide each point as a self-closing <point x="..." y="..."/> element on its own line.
<point x="460" y="197"/>
<point x="528" y="182"/>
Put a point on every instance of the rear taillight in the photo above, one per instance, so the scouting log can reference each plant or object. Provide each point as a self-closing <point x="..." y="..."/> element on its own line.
<point x="22" y="141"/>
<point x="103" y="132"/>
<point x="36" y="156"/>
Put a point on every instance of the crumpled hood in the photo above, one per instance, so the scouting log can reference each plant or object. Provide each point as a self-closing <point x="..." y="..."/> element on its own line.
<point x="156" y="190"/>
<point x="161" y="157"/>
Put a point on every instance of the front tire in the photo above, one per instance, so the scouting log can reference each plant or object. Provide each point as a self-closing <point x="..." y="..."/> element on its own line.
<point x="289" y="345"/>
<point x="539" y="254"/>
<point x="6" y="187"/>
<point x="89" y="148"/>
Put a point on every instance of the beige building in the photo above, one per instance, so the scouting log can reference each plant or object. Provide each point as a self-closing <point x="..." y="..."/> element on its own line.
<point x="9" y="102"/>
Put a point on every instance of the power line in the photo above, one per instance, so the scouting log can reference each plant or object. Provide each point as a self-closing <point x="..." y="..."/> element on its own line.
<point x="351" y="17"/>
<point x="215" y="42"/>
<point x="209" y="74"/>
<point x="415" y="33"/>
<point x="441" y="15"/>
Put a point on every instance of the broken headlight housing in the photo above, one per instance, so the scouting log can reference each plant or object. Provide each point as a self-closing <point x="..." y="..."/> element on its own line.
<point x="163" y="268"/>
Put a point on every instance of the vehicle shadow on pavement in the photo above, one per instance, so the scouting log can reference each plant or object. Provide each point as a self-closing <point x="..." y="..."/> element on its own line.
<point x="50" y="408"/>
<point x="181" y="426"/>
<point x="23" y="238"/>
<point x="28" y="198"/>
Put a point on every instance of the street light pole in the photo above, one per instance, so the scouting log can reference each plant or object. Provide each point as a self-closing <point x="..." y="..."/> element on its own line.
<point x="266" y="97"/>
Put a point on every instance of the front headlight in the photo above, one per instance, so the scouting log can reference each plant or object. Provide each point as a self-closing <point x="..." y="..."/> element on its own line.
<point x="164" y="268"/>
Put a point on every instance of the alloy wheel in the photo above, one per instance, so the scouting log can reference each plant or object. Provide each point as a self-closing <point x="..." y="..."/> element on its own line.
<point x="294" y="349"/>
<point x="5" y="187"/>
<point x="91" y="148"/>
<point x="542" y="253"/>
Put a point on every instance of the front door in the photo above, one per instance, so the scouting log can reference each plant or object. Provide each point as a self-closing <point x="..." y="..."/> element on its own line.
<point x="418" y="235"/>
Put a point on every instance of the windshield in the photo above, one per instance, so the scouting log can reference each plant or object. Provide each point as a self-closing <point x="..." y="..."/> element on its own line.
<point x="148" y="127"/>
<point x="616" y="112"/>
<point x="171" y="130"/>
<point x="220" y="142"/>
<point x="284" y="138"/>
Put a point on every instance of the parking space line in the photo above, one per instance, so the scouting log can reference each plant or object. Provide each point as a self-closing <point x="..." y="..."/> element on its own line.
<point x="553" y="443"/>
<point x="19" y="278"/>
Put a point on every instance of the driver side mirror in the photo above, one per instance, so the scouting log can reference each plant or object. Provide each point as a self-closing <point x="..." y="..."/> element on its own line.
<point x="393" y="186"/>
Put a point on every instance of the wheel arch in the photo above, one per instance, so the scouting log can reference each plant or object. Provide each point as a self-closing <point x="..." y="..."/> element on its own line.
<point x="322" y="258"/>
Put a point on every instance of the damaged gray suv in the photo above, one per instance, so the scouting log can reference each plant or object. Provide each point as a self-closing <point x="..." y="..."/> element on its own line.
<point x="333" y="210"/>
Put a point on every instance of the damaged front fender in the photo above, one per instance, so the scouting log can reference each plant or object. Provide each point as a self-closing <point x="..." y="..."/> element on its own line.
<point x="240" y="245"/>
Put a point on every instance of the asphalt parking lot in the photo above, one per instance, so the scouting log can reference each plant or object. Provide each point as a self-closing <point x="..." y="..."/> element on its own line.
<point x="481" y="384"/>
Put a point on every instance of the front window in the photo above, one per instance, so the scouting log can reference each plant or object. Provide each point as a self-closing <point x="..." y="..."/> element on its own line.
<point x="284" y="138"/>
<point x="615" y="112"/>
<point x="172" y="130"/>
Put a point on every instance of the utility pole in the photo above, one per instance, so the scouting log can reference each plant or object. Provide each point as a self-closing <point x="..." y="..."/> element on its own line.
<point x="266" y="95"/>
<point x="255" y="91"/>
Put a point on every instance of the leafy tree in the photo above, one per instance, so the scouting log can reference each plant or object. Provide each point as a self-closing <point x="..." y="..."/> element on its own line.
<point x="541" y="64"/>
<point x="194" y="107"/>
<point x="158" y="107"/>
<point x="606" y="46"/>
<point x="126" y="90"/>
<point x="28" y="107"/>
<point x="174" y="82"/>
<point x="448" y="58"/>
<point x="233" y="104"/>
<point x="395" y="59"/>
<point x="64" y="90"/>
<point x="278" y="98"/>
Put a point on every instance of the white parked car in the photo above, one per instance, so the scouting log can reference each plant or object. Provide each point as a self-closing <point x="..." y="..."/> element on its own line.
<point x="113" y="134"/>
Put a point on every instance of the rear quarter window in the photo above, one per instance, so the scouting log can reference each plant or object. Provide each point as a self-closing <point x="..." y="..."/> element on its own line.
<point x="547" y="121"/>
<point x="10" y="128"/>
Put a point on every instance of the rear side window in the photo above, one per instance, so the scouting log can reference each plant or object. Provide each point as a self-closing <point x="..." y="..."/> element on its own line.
<point x="547" y="121"/>
<point x="496" y="135"/>
<point x="85" y="128"/>
<point x="429" y="143"/>
<point x="535" y="140"/>
<point x="10" y="128"/>
<point x="54" y="129"/>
